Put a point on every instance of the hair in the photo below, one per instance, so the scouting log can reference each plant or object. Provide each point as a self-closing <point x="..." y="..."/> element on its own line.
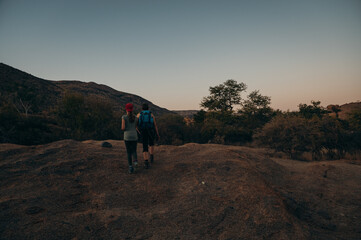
<point x="145" y="106"/>
<point x="131" y="116"/>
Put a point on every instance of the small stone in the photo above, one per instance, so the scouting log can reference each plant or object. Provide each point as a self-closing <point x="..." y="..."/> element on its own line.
<point x="107" y="145"/>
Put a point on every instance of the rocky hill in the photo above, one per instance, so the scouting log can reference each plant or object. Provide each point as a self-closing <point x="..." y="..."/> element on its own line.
<point x="43" y="94"/>
<point x="79" y="190"/>
<point x="349" y="108"/>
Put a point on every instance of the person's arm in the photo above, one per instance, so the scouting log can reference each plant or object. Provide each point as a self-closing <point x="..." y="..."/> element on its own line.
<point x="123" y="124"/>
<point x="155" y="126"/>
<point x="136" y="123"/>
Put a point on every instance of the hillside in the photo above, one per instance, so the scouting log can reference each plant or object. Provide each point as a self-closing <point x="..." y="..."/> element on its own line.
<point x="79" y="190"/>
<point x="349" y="108"/>
<point x="43" y="94"/>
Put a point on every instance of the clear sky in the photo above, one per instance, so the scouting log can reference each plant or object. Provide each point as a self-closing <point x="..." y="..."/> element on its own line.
<point x="170" y="52"/>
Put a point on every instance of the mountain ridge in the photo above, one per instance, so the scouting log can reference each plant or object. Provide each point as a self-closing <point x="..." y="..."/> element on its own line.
<point x="43" y="94"/>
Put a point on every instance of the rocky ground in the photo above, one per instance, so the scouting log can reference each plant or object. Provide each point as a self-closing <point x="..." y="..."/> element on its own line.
<point x="80" y="190"/>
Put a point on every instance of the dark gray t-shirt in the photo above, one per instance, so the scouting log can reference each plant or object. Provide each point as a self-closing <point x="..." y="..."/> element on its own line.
<point x="130" y="133"/>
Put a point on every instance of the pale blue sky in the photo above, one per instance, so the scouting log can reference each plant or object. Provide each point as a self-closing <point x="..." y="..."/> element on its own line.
<point x="171" y="52"/>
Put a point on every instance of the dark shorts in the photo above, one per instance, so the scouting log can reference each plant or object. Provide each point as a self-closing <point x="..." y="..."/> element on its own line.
<point x="148" y="136"/>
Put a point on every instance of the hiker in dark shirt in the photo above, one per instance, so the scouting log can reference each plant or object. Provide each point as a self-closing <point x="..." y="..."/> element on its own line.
<point x="149" y="131"/>
<point x="129" y="123"/>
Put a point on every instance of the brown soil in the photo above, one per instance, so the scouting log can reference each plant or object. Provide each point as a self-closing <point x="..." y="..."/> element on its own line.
<point x="79" y="190"/>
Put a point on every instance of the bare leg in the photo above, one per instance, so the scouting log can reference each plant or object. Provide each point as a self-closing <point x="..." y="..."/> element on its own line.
<point x="145" y="156"/>
<point x="151" y="151"/>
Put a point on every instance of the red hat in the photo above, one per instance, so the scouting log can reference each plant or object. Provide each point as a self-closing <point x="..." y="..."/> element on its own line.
<point x="129" y="107"/>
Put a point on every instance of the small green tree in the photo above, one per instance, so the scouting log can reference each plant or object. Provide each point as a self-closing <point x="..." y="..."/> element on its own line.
<point x="224" y="96"/>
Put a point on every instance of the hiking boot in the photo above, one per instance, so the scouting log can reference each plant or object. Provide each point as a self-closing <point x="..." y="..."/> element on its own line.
<point x="135" y="163"/>
<point x="151" y="158"/>
<point x="146" y="164"/>
<point x="131" y="169"/>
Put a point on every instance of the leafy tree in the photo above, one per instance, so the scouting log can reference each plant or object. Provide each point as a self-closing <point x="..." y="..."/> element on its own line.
<point x="199" y="116"/>
<point x="335" y="109"/>
<point x="309" y="111"/>
<point x="256" y="110"/>
<point x="224" y="96"/>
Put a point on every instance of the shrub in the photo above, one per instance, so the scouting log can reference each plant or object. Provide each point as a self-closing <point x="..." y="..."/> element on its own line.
<point x="334" y="136"/>
<point x="354" y="119"/>
<point x="172" y="129"/>
<point x="8" y="119"/>
<point x="87" y="118"/>
<point x="292" y="135"/>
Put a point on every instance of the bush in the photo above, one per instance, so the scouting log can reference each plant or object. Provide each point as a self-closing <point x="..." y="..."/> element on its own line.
<point x="87" y="118"/>
<point x="8" y="119"/>
<point x="172" y="129"/>
<point x="292" y="135"/>
<point x="334" y="137"/>
<point x="354" y="119"/>
<point x="26" y="129"/>
<point x="322" y="137"/>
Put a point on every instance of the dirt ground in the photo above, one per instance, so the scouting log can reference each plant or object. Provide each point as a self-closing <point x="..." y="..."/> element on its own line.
<point x="80" y="190"/>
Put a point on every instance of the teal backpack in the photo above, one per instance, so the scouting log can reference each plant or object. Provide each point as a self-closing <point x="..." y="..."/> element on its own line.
<point x="146" y="120"/>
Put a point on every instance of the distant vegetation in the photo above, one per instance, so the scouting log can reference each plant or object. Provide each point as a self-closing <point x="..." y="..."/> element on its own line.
<point x="219" y="122"/>
<point x="75" y="117"/>
<point x="311" y="129"/>
<point x="36" y="111"/>
<point x="76" y="114"/>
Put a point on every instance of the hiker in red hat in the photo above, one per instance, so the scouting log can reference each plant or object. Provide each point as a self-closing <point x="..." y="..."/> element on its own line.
<point x="129" y="124"/>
